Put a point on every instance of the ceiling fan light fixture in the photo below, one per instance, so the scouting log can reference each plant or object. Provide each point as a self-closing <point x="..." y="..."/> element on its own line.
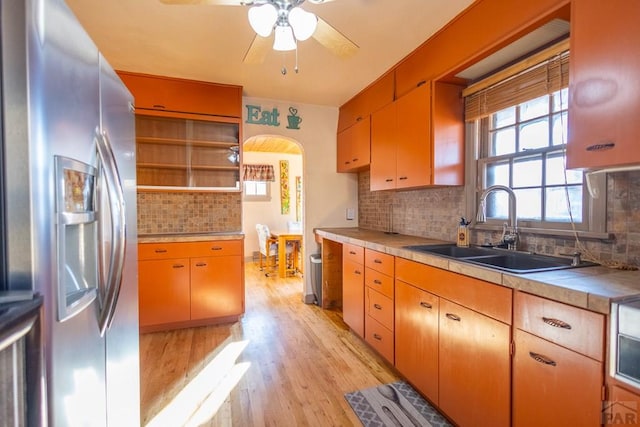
<point x="284" y="39"/>
<point x="303" y="23"/>
<point x="262" y="19"/>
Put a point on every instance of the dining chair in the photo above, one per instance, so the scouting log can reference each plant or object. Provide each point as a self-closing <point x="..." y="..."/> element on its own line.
<point x="269" y="249"/>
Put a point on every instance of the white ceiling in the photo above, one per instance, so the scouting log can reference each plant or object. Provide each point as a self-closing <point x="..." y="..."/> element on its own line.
<point x="208" y="43"/>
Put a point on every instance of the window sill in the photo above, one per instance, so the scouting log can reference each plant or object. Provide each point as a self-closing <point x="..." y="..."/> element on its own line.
<point x="585" y="235"/>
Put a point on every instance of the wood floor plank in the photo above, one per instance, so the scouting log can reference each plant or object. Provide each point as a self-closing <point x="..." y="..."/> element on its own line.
<point x="301" y="361"/>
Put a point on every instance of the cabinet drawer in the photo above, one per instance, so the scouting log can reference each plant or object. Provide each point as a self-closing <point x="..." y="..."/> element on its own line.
<point x="379" y="337"/>
<point x="216" y="248"/>
<point x="379" y="261"/>
<point x="571" y="327"/>
<point x="380" y="308"/>
<point x="162" y="250"/>
<point x="553" y="386"/>
<point x="378" y="281"/>
<point x="353" y="253"/>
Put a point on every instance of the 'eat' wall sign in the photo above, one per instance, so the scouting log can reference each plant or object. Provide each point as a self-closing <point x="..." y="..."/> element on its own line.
<point x="257" y="116"/>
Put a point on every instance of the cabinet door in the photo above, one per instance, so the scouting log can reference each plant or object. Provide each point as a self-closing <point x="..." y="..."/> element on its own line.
<point x="475" y="383"/>
<point x="354" y="146"/>
<point x="164" y="295"/>
<point x="353" y="296"/>
<point x="383" y="148"/>
<point x="414" y="150"/>
<point x="553" y="386"/>
<point x="217" y="288"/>
<point x="604" y="86"/>
<point x="447" y="122"/>
<point x="416" y="343"/>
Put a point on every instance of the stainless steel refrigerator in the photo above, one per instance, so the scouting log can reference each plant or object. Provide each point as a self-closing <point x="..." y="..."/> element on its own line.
<point x="70" y="211"/>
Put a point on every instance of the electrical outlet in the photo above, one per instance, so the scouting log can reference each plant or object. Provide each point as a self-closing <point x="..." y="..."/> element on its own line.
<point x="351" y="213"/>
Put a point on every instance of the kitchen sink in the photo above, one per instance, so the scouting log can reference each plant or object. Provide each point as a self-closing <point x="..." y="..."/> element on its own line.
<point x="501" y="259"/>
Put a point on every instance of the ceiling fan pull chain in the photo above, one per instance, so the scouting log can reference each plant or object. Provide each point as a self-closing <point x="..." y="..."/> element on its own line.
<point x="296" y="66"/>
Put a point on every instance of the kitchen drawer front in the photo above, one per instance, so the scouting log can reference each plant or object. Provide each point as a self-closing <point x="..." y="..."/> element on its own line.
<point x="353" y="253"/>
<point x="378" y="281"/>
<point x="379" y="261"/>
<point x="216" y="248"/>
<point x="379" y="337"/>
<point x="380" y="308"/>
<point x="487" y="298"/>
<point x="148" y="251"/>
<point x="571" y="327"/>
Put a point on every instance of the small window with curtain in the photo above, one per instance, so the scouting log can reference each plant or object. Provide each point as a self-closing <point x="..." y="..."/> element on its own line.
<point x="257" y="181"/>
<point x="520" y="124"/>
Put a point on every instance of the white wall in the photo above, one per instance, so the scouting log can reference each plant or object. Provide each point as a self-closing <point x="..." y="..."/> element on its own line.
<point x="327" y="194"/>
<point x="269" y="212"/>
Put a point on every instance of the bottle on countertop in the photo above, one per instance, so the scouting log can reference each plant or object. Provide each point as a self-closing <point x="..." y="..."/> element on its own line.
<point x="463" y="233"/>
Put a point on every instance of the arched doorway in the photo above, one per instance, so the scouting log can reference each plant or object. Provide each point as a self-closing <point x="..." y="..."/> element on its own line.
<point x="277" y="208"/>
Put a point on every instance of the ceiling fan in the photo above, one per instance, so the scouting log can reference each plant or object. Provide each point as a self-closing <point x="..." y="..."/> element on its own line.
<point x="288" y="22"/>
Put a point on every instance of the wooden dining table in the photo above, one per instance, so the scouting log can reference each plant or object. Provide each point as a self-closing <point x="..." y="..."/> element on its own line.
<point x="283" y="237"/>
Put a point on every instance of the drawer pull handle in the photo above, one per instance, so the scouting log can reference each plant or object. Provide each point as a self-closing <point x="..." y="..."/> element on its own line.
<point x="216" y="248"/>
<point x="352" y="252"/>
<point x="556" y="323"/>
<point x="420" y="83"/>
<point x="347" y="162"/>
<point x="160" y="251"/>
<point x="377" y="306"/>
<point x="357" y="272"/>
<point x="453" y="317"/>
<point x="388" y="180"/>
<point x="201" y="264"/>
<point x="355" y="160"/>
<point x="425" y="305"/>
<point x="377" y="282"/>
<point x="403" y="178"/>
<point x="378" y="337"/>
<point x="601" y="147"/>
<point x="542" y="359"/>
<point x="178" y="265"/>
<point x="377" y="261"/>
<point x="159" y="106"/>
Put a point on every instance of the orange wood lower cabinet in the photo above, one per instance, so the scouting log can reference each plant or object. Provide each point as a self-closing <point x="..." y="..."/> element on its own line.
<point x="554" y="386"/>
<point x="622" y="408"/>
<point x="475" y="367"/>
<point x="164" y="295"/>
<point x="353" y="295"/>
<point x="416" y="340"/>
<point x="214" y="287"/>
<point x="379" y="337"/>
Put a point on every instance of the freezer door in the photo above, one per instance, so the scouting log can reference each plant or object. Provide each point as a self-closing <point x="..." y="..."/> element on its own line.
<point x="122" y="336"/>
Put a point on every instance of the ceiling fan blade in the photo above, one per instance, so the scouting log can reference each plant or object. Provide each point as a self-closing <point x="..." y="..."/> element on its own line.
<point x="209" y="2"/>
<point x="257" y="51"/>
<point x="334" y="40"/>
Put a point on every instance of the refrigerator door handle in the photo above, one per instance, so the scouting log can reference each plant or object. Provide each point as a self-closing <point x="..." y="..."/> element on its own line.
<point x="115" y="197"/>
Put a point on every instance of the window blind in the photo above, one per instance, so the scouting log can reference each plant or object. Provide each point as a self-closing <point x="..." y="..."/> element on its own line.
<point x="543" y="78"/>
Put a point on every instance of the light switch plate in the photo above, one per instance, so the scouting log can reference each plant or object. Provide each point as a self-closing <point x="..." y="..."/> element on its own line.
<point x="351" y="213"/>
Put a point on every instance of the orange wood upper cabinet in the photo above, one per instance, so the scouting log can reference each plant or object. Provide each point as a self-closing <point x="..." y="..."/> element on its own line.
<point x="562" y="347"/>
<point x="418" y="140"/>
<point x="157" y="93"/>
<point x="353" y="287"/>
<point x="354" y="146"/>
<point x="475" y="367"/>
<point x="372" y="98"/>
<point x="416" y="338"/>
<point x="604" y="89"/>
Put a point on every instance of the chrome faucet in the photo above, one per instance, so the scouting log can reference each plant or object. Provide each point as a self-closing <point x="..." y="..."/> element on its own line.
<point x="510" y="235"/>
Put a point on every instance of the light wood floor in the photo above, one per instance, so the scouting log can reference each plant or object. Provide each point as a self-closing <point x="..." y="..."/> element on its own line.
<point x="298" y="363"/>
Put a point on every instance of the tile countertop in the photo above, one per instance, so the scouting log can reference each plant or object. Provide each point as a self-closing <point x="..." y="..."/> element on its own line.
<point x="190" y="237"/>
<point x="593" y="288"/>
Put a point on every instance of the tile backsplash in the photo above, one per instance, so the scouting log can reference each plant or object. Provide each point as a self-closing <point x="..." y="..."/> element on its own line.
<point x="178" y="212"/>
<point x="435" y="213"/>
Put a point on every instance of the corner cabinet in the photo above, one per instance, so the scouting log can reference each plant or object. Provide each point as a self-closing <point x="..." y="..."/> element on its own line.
<point x="418" y="140"/>
<point x="188" y="133"/>
<point x="604" y="87"/>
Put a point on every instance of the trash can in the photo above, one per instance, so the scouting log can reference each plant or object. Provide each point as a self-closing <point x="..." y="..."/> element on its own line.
<point x="316" y="277"/>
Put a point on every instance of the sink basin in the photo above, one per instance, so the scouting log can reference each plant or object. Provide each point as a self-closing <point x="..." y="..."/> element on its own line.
<point x="501" y="259"/>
